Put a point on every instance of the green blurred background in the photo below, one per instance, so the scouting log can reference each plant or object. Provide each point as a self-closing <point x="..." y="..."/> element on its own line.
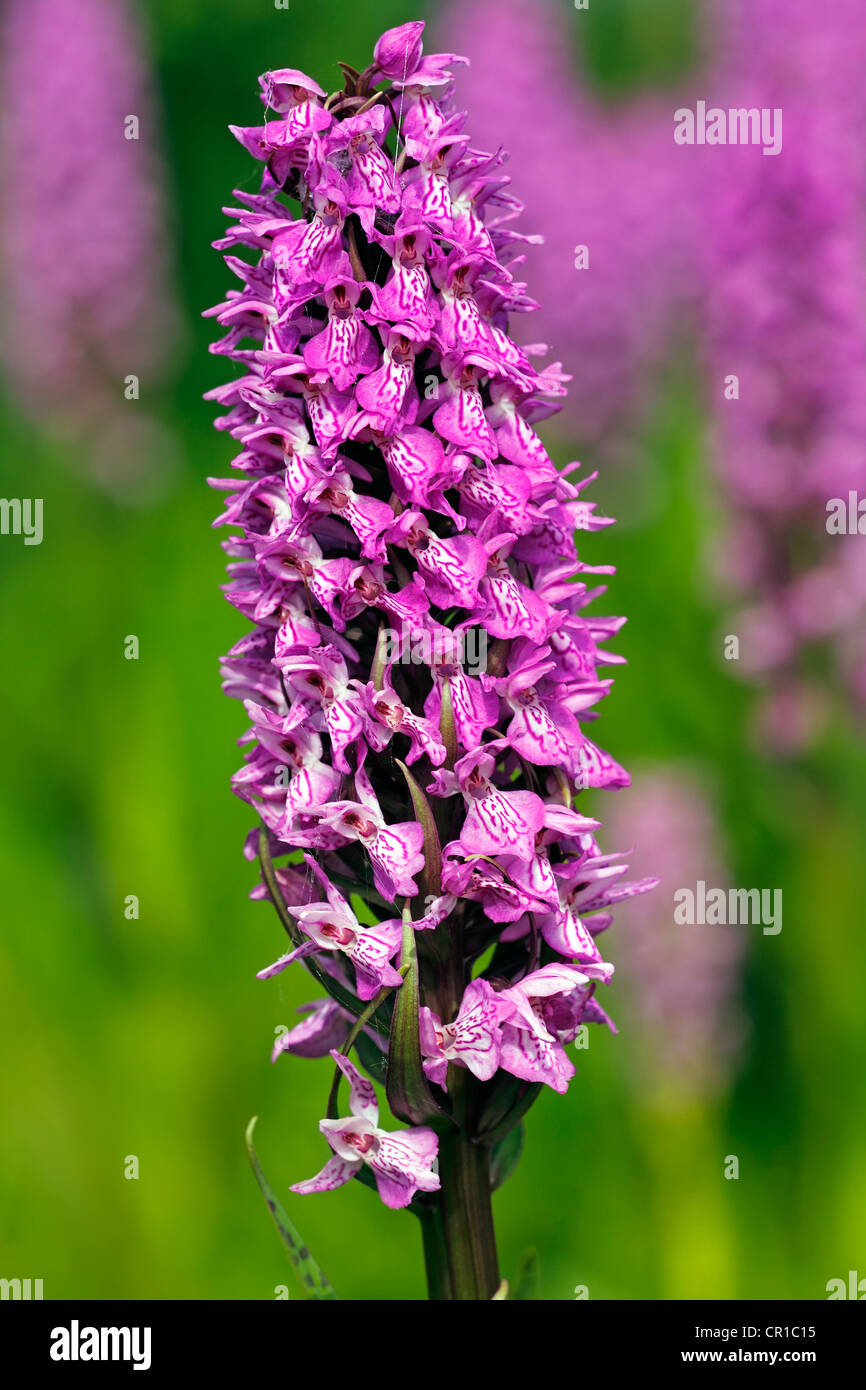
<point x="151" y="1037"/>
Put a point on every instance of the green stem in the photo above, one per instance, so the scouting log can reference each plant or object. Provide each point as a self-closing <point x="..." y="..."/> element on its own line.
<point x="466" y="1216"/>
<point x="459" y="1239"/>
<point x="435" y="1256"/>
<point x="460" y="1244"/>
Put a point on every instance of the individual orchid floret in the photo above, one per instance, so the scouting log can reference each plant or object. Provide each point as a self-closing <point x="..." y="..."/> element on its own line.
<point x="355" y="146"/>
<point x="368" y="948"/>
<point x="333" y="926"/>
<point x="388" y="397"/>
<point x="398" y="52"/>
<point x="407" y="298"/>
<point x="472" y="1040"/>
<point x="532" y="1040"/>
<point x="395" y="851"/>
<point x="290" y="92"/>
<point x="344" y="349"/>
<point x="325" y="1027"/>
<point x="388" y="715"/>
<point x="497" y="821"/>
<point x="401" y="1162"/>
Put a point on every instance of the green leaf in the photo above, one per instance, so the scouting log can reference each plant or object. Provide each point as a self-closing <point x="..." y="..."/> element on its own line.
<point x="377" y="670"/>
<point x="352" y="1040"/>
<point x="448" y="728"/>
<point x="371" y="1057"/>
<point x="431" y="876"/>
<point x="409" y="1095"/>
<point x="507" y="1103"/>
<point x="526" y="1280"/>
<point x="310" y="1277"/>
<point x="505" y="1156"/>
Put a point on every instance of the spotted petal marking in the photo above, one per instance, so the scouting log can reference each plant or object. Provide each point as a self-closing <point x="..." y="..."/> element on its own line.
<point x="503" y="823"/>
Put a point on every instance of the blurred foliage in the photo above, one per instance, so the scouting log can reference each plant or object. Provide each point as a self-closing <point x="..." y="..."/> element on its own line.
<point x="629" y="43"/>
<point x="151" y="1037"/>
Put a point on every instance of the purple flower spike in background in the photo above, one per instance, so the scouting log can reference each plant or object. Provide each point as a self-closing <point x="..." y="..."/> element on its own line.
<point x="680" y="979"/>
<point x="791" y="328"/>
<point x="86" y="302"/>
<point x="608" y="194"/>
<point x="424" y="658"/>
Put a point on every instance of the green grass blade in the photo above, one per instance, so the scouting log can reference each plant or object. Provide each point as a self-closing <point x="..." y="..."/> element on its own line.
<point x="310" y="1277"/>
